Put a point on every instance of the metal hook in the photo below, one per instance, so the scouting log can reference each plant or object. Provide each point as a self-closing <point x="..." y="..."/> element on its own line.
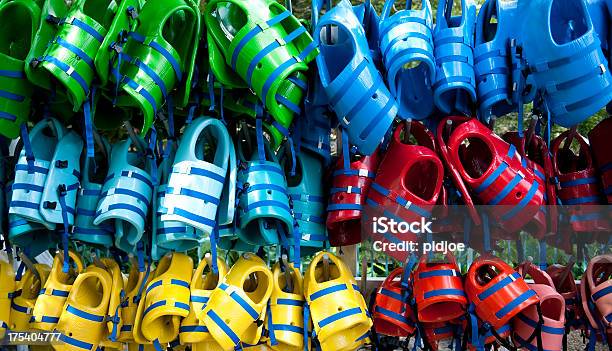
<point x="325" y="267"/>
<point x="30" y="265"/>
<point x="407" y="125"/>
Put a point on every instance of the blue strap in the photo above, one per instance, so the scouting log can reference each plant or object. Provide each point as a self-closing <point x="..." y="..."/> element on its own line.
<point x="74" y="342"/>
<point x="516" y="209"/>
<point x="8" y="116"/>
<point x="62" y="192"/>
<point x="601" y="293"/>
<point x="498" y="286"/>
<point x="85" y="315"/>
<point x="12" y="74"/>
<point x="515" y="303"/>
<point x="328" y="290"/>
<point x="398" y="317"/>
<point x="245" y="305"/>
<point x="306" y="323"/>
<point x="77" y="51"/>
<point x="165" y="53"/>
<point x="89" y="137"/>
<point x="261" y="151"/>
<point x="70" y="71"/>
<point x="444" y="292"/>
<point x="339" y="315"/>
<point x="214" y="235"/>
<point x="221" y="324"/>
<point x="391" y="294"/>
<point x="19" y="308"/>
<point x="10" y="96"/>
<point x="142" y="285"/>
<point x="89" y="29"/>
<point x="252" y="33"/>
<point x="27" y="148"/>
<point x="439" y="273"/>
<point x="271" y="333"/>
<point x="581" y="181"/>
<point x="545" y="328"/>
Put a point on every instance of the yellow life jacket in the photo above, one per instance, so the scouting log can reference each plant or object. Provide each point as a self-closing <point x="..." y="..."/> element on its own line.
<point x="50" y="302"/>
<point x="337" y="308"/>
<point x="134" y="289"/>
<point x="25" y="296"/>
<point x="202" y="285"/>
<point x="7" y="290"/>
<point x="82" y="323"/>
<point x="140" y="347"/>
<point x="236" y="309"/>
<point x="166" y="300"/>
<point x="285" y="317"/>
<point x="117" y="299"/>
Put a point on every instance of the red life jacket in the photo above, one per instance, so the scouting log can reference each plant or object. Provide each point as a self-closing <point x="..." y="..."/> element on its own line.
<point x="599" y="138"/>
<point x="438" y="290"/>
<point x="596" y="292"/>
<point x="391" y="314"/>
<point x="537" y="158"/>
<point x="409" y="179"/>
<point x="564" y="282"/>
<point x="350" y="185"/>
<point x="494" y="171"/>
<point x="442" y="136"/>
<point x="498" y="292"/>
<point x="578" y="184"/>
<point x="552" y="310"/>
<point x="436" y="332"/>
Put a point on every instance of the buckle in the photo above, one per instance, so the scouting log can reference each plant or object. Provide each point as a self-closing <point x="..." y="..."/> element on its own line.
<point x="50" y="205"/>
<point x="61" y="164"/>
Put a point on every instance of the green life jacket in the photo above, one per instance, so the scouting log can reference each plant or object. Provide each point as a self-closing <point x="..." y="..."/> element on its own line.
<point x="260" y="43"/>
<point x="17" y="29"/>
<point x="158" y="57"/>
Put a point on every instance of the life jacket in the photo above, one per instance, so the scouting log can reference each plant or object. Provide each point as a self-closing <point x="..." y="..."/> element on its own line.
<point x="455" y="85"/>
<point x="551" y="313"/>
<point x="354" y="86"/>
<point x="126" y="195"/>
<point x="406" y="37"/>
<point x="566" y="61"/>
<point x="151" y="63"/>
<point x="70" y="55"/>
<point x="234" y="313"/>
<point x="596" y="293"/>
<point x="117" y="300"/>
<point x="336" y="306"/>
<point x="285" y="318"/>
<point x="15" y="96"/>
<point x="599" y="138"/>
<point x="391" y="314"/>
<point x="195" y="186"/>
<point x="442" y="136"/>
<point x="137" y="280"/>
<point x="498" y="27"/>
<point x="88" y="197"/>
<point x="263" y="206"/>
<point x="565" y="284"/>
<point x="28" y="288"/>
<point x="46" y="180"/>
<point x="537" y="158"/>
<point x="192" y="331"/>
<point x="165" y="301"/>
<point x="52" y="297"/>
<point x="408" y="180"/>
<point x="438" y="290"/>
<point x="578" y="185"/>
<point x="494" y="171"/>
<point x="7" y="291"/>
<point x="82" y="322"/>
<point x="307" y="199"/>
<point x="436" y="332"/>
<point x="498" y="292"/>
<point x="271" y="59"/>
<point x="350" y="186"/>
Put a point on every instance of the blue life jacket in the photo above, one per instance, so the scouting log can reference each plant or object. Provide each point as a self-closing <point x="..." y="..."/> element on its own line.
<point x="406" y="39"/>
<point x="566" y="60"/>
<point x="193" y="196"/>
<point x="455" y="86"/>
<point x="126" y="195"/>
<point x="355" y="88"/>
